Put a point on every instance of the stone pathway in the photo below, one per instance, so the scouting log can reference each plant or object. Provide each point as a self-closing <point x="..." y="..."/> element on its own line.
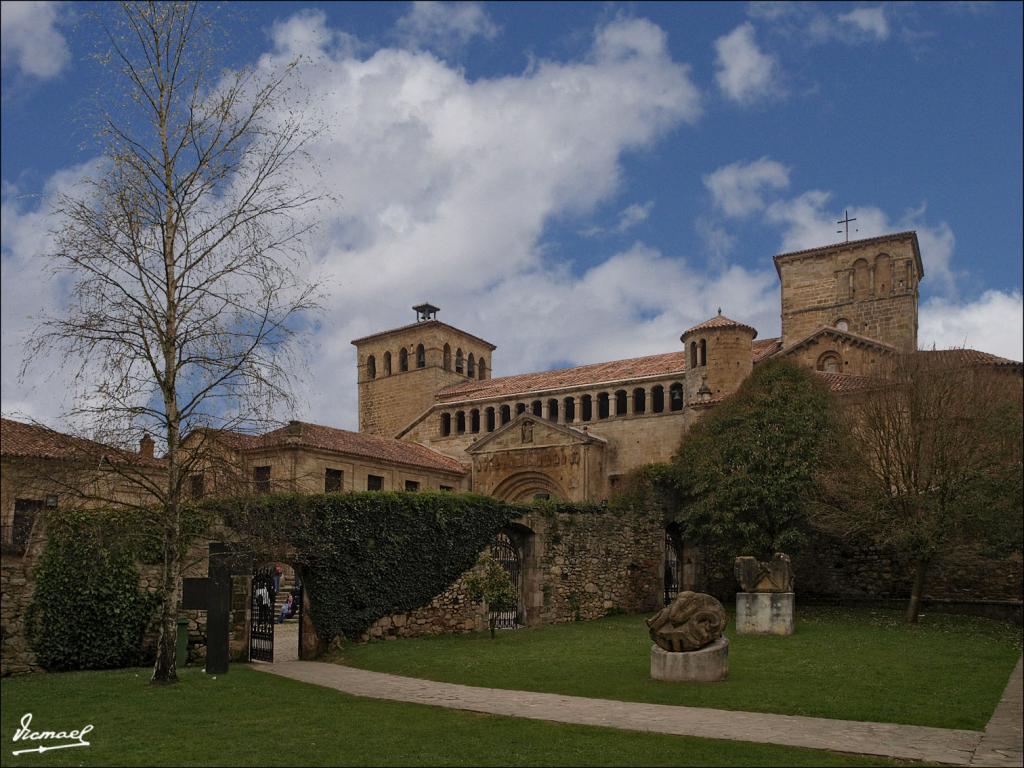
<point x="1003" y="741"/>
<point x="908" y="742"/>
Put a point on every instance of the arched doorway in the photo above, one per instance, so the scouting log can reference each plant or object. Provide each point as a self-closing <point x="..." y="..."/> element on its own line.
<point x="525" y="486"/>
<point x="506" y="554"/>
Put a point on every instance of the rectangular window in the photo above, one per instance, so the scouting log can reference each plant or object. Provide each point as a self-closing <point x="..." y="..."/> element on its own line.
<point x="25" y="511"/>
<point x="197" y="485"/>
<point x="447" y="488"/>
<point x="412" y="486"/>
<point x="261" y="479"/>
<point x="374" y="483"/>
<point x="333" y="480"/>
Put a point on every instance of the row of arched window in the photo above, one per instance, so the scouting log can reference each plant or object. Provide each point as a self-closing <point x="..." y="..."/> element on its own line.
<point x="877" y="279"/>
<point x="403" y="361"/>
<point x="568" y="410"/>
<point x="470" y="365"/>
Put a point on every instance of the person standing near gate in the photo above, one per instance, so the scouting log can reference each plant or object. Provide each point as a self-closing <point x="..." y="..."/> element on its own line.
<point x="263" y="602"/>
<point x="277" y="578"/>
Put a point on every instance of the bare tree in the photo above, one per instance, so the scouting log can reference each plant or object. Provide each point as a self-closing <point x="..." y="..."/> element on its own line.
<point x="932" y="461"/>
<point x="184" y="256"/>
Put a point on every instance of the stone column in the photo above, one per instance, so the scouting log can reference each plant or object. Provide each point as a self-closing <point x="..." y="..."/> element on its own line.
<point x="629" y="402"/>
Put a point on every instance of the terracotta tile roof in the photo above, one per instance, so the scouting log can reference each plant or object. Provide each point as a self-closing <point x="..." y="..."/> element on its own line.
<point x="846" y="382"/>
<point x="857" y="243"/>
<point x="298" y="433"/>
<point x="720" y="321"/>
<point x="584" y="375"/>
<point x="961" y="357"/>
<point x="765" y="348"/>
<point x="39" y="442"/>
<point x="423" y="324"/>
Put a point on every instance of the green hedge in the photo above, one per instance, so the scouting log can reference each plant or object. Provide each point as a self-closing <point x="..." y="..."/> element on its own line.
<point x="368" y="555"/>
<point x="87" y="611"/>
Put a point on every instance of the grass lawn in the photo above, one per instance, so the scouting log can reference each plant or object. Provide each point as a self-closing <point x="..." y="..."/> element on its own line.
<point x="252" y="718"/>
<point x="851" y="664"/>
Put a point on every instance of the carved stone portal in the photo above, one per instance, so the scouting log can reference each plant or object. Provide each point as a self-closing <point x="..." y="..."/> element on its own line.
<point x="773" y="576"/>
<point x="692" y="621"/>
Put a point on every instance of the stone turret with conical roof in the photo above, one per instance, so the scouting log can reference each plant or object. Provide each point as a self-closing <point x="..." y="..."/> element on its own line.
<point x="719" y="356"/>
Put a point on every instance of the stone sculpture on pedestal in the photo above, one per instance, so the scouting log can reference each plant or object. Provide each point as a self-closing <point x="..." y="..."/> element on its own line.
<point x="688" y="641"/>
<point x="765" y="604"/>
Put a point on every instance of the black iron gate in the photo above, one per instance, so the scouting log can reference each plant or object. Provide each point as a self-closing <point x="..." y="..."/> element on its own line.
<point x="261" y="620"/>
<point x="504" y="551"/>
<point x="671" y="569"/>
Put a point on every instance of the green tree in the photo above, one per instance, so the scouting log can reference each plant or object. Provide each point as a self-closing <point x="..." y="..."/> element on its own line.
<point x="743" y="475"/>
<point x="492" y="585"/>
<point x="931" y="461"/>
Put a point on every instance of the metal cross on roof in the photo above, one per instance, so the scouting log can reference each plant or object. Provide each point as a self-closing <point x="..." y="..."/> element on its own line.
<point x="846" y="221"/>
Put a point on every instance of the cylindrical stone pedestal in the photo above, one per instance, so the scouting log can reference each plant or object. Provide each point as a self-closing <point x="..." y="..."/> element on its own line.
<point x="708" y="665"/>
<point x="764" y="613"/>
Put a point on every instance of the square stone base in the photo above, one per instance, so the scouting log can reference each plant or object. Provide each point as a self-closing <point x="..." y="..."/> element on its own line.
<point x="764" y="613"/>
<point x="708" y="665"/>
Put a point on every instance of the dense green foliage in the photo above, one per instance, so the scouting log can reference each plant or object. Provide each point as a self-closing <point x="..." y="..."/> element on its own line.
<point x="263" y="719"/>
<point x="88" y="611"/>
<point x="491" y="584"/>
<point x="851" y="664"/>
<point x="363" y="556"/>
<point x="744" y="473"/>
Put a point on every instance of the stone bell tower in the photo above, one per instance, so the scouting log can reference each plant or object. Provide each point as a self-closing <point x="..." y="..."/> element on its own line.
<point x="719" y="356"/>
<point x="401" y="370"/>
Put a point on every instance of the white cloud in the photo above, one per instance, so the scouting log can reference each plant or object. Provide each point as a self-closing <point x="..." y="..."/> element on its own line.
<point x="444" y="27"/>
<point x="718" y="242"/>
<point x="445" y="187"/>
<point x="993" y="323"/>
<point x="629" y="217"/>
<point x="30" y="40"/>
<point x="737" y="188"/>
<point x="871" y="22"/>
<point x="743" y="72"/>
<point x="807" y="223"/>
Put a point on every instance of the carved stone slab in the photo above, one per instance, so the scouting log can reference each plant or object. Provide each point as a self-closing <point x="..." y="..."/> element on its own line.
<point x="774" y="576"/>
<point x="692" y="621"/>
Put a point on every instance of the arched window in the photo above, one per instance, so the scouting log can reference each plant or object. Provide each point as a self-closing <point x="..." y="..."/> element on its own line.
<point x="371" y="367"/>
<point x="639" y="400"/>
<point x="387" y="363"/>
<point x="703" y="349"/>
<point x="842" y="324"/>
<point x="446" y="424"/>
<point x="403" y="360"/>
<point x="471" y="366"/>
<point x="569" y="407"/>
<point x="421" y="356"/>
<point x="620" y="403"/>
<point x="490" y="419"/>
<point x="602" y="405"/>
<point x="675" y="397"/>
<point x="552" y="410"/>
<point x="693" y="354"/>
<point x="861" y="279"/>
<point x="482" y="365"/>
<point x="586" y="408"/>
<point x="520" y="408"/>
<point x="458" y="361"/>
<point x="460" y="422"/>
<point x="830" y="362"/>
<point x="474" y="420"/>
<point x="506" y="414"/>
<point x="447" y="360"/>
<point x="536" y="408"/>
<point x="657" y="399"/>
<point x="883" y="275"/>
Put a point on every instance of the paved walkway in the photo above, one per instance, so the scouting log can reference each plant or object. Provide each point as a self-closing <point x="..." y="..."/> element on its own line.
<point x="908" y="742"/>
<point x="1003" y="742"/>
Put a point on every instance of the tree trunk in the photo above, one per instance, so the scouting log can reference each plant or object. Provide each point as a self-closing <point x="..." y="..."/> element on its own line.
<point x="914" y="608"/>
<point x="165" y="667"/>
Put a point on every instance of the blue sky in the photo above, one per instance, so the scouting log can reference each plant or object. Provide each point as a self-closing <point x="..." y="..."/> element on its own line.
<point x="581" y="182"/>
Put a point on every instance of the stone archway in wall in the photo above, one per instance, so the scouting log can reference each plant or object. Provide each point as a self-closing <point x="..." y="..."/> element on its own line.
<point x="524" y="486"/>
<point x="531" y="598"/>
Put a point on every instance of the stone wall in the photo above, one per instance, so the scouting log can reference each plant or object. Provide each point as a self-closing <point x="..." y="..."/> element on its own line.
<point x="576" y="566"/>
